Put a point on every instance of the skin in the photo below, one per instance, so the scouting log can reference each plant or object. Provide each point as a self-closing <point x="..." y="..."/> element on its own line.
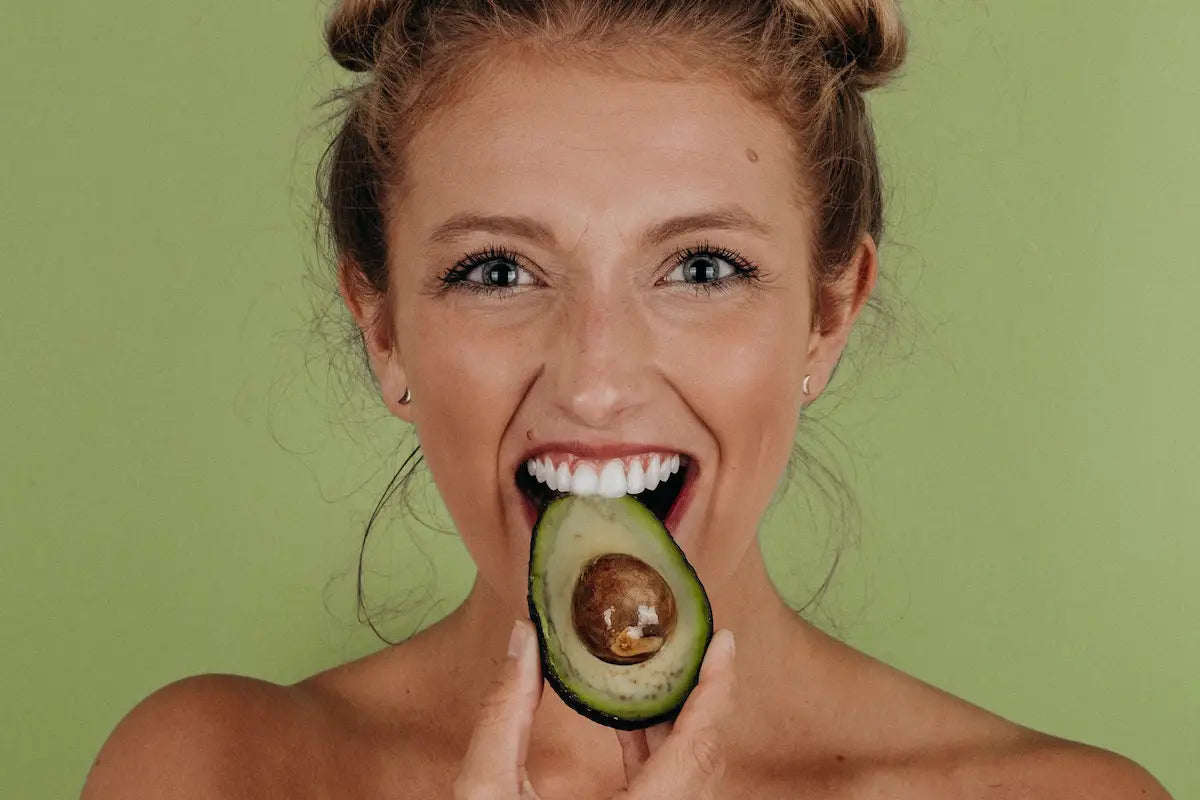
<point x="599" y="347"/>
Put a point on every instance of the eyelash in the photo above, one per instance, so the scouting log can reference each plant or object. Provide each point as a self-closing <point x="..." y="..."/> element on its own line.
<point x="455" y="278"/>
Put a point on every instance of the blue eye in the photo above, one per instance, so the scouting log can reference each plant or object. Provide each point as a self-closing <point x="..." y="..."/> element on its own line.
<point x="497" y="271"/>
<point x="709" y="268"/>
<point x="499" y="274"/>
<point x="703" y="268"/>
<point x="493" y="271"/>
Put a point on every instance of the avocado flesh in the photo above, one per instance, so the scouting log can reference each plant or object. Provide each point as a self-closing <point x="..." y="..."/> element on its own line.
<point x="572" y="531"/>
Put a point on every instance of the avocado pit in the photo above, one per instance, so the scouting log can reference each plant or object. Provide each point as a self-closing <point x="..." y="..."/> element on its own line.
<point x="622" y="609"/>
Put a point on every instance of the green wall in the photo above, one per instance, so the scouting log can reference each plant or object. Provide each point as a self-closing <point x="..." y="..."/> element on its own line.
<point x="184" y="477"/>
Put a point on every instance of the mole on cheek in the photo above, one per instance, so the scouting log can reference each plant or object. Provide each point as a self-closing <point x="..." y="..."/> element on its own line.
<point x="750" y="154"/>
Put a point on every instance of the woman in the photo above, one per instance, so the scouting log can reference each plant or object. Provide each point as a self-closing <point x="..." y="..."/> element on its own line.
<point x="583" y="238"/>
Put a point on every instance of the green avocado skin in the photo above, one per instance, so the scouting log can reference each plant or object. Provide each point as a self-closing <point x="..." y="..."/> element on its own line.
<point x="574" y="700"/>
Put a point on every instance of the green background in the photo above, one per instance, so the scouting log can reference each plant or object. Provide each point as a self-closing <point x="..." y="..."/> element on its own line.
<point x="186" y="468"/>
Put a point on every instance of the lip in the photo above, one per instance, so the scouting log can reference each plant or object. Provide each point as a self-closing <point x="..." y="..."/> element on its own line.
<point x="531" y="512"/>
<point x="684" y="501"/>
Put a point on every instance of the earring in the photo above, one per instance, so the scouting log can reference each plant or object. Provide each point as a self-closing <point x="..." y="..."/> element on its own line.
<point x="804" y="388"/>
<point x="407" y="397"/>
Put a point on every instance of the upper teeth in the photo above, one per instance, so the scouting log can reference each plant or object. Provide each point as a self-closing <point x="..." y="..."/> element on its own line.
<point x="611" y="478"/>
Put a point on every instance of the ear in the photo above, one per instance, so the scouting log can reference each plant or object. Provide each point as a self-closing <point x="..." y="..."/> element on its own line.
<point x="371" y="314"/>
<point x="842" y="303"/>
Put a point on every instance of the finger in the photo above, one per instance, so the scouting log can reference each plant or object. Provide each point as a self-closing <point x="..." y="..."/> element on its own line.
<point x="495" y="759"/>
<point x="656" y="735"/>
<point x="691" y="760"/>
<point x="634" y="752"/>
<point x="712" y="699"/>
<point x="527" y="791"/>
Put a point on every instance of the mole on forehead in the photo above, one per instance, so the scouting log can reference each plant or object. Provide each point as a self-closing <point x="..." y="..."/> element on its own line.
<point x="750" y="154"/>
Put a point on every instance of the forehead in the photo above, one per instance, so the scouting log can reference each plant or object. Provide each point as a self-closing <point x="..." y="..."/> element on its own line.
<point x="577" y="147"/>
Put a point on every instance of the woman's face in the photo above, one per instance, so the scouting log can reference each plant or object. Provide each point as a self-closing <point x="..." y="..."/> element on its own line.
<point x="635" y="287"/>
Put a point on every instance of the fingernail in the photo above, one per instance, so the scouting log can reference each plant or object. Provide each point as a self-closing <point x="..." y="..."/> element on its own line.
<point x="729" y="645"/>
<point x="516" y="641"/>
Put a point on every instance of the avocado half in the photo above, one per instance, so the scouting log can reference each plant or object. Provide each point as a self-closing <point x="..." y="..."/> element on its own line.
<point x="622" y="620"/>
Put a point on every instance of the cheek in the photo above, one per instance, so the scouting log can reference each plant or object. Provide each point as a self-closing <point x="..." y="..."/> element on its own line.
<point x="473" y="382"/>
<point x="749" y="371"/>
<point x="747" y="388"/>
<point x="476" y="366"/>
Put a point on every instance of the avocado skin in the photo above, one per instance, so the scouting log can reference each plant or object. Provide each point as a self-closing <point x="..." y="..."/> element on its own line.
<point x="575" y="701"/>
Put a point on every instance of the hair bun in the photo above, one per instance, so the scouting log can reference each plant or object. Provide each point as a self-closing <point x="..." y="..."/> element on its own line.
<point x="867" y="38"/>
<point x="353" y="28"/>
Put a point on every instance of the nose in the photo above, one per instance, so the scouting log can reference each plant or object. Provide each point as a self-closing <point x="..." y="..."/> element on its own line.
<point x="600" y="366"/>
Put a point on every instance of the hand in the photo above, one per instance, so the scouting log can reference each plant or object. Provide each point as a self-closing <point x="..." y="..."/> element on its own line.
<point x="684" y="759"/>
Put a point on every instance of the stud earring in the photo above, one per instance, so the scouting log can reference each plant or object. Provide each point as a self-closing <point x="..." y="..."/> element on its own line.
<point x="407" y="397"/>
<point x="804" y="388"/>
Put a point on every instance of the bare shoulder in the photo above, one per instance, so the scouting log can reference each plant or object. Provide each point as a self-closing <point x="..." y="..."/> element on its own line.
<point x="911" y="739"/>
<point x="997" y="759"/>
<point x="994" y="758"/>
<point x="1049" y="767"/>
<point x="209" y="736"/>
<point x="991" y="758"/>
<point x="355" y="730"/>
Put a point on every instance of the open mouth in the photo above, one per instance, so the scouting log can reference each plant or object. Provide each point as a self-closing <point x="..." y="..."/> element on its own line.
<point x="660" y="483"/>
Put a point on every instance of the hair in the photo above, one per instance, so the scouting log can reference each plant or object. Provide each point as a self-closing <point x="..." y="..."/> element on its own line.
<point x="807" y="61"/>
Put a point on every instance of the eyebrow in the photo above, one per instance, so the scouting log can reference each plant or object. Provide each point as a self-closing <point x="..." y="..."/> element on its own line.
<point x="731" y="217"/>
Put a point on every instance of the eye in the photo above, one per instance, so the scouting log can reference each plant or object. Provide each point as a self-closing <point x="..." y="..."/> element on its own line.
<point x="703" y="268"/>
<point x="498" y="273"/>
<point x="708" y="268"/>
<point x="494" y="271"/>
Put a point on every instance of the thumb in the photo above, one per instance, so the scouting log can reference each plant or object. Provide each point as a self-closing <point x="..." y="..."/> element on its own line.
<point x="495" y="760"/>
<point x="690" y="761"/>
